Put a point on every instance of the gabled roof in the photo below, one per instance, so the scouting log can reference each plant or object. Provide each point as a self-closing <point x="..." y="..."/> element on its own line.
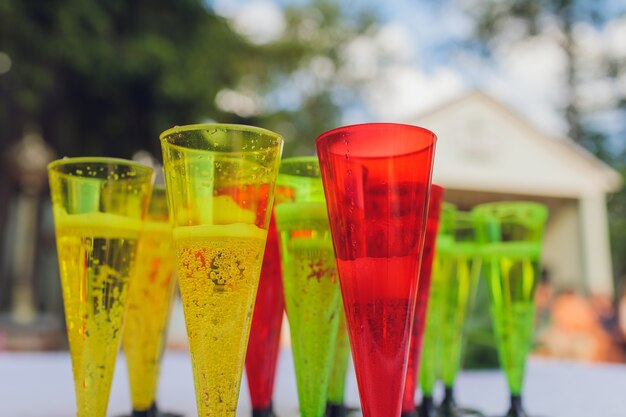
<point x="484" y="146"/>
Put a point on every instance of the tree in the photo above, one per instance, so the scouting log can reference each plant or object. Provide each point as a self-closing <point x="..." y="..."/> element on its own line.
<point x="98" y="77"/>
<point x="498" y="23"/>
<point x="105" y="77"/>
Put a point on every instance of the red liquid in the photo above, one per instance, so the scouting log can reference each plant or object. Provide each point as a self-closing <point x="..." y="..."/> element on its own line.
<point x="377" y="181"/>
<point x="383" y="312"/>
<point x="264" y="339"/>
<point x="423" y="291"/>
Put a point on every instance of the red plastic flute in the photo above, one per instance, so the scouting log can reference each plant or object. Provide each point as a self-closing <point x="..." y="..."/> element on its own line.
<point x="423" y="291"/>
<point x="377" y="180"/>
<point x="263" y="344"/>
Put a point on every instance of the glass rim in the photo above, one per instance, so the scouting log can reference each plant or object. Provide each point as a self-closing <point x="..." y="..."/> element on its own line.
<point x="206" y="126"/>
<point x="431" y="136"/>
<point x="437" y="187"/>
<point x="142" y="169"/>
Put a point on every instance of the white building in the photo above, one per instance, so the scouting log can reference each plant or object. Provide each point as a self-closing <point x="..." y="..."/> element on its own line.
<point x="485" y="152"/>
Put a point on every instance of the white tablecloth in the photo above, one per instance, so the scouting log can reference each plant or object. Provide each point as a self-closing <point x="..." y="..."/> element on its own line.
<point x="40" y="385"/>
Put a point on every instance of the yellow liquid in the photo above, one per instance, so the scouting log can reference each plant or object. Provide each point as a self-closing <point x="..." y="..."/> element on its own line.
<point x="218" y="270"/>
<point x="96" y="258"/>
<point x="150" y="298"/>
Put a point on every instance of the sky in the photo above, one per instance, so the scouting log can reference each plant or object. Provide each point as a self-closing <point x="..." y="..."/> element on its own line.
<point x="410" y="63"/>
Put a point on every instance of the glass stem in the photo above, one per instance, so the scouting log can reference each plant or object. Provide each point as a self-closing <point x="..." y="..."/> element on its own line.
<point x="263" y="412"/>
<point x="335" y="410"/>
<point x="517" y="410"/>
<point x="427" y="407"/>
<point x="150" y="412"/>
<point x="411" y="414"/>
<point x="448" y="404"/>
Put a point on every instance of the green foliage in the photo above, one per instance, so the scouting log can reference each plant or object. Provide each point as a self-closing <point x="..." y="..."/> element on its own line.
<point x="106" y="77"/>
<point x="499" y="23"/>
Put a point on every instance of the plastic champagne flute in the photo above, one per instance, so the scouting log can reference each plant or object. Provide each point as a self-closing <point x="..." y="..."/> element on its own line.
<point x="377" y="180"/>
<point x="312" y="295"/>
<point x="460" y="267"/>
<point x="423" y="292"/>
<point x="220" y="186"/>
<point x="430" y="361"/>
<point x="264" y="341"/>
<point x="98" y="205"/>
<point x="149" y="304"/>
<point x="512" y="232"/>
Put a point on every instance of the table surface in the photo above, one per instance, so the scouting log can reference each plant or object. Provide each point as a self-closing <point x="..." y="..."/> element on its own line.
<point x="41" y="385"/>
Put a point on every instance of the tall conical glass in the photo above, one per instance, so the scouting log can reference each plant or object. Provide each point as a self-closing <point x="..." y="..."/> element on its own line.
<point x="513" y="233"/>
<point x="220" y="187"/>
<point x="264" y="341"/>
<point x="312" y="295"/>
<point x="377" y="181"/>
<point x="460" y="266"/>
<point x="149" y="304"/>
<point x="430" y="364"/>
<point x="423" y="293"/>
<point x="99" y="205"/>
<point x="335" y="406"/>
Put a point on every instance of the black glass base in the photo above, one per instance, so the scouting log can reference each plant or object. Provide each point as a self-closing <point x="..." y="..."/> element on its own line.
<point x="516" y="410"/>
<point x="153" y="412"/>
<point x="411" y="414"/>
<point x="427" y="407"/>
<point x="263" y="412"/>
<point x="449" y="408"/>
<point x="336" y="410"/>
<point x="464" y="411"/>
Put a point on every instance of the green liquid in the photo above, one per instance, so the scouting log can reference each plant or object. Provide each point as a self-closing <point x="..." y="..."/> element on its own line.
<point x="461" y="270"/>
<point x="456" y="270"/>
<point x="512" y="270"/>
<point x="312" y="298"/>
<point x="336" y="389"/>
<point x="430" y="361"/>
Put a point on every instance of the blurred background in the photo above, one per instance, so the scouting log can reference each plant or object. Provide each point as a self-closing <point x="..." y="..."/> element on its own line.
<point x="528" y="98"/>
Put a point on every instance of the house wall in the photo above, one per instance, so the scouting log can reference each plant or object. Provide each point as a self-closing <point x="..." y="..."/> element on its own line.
<point x="563" y="255"/>
<point x="487" y="153"/>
